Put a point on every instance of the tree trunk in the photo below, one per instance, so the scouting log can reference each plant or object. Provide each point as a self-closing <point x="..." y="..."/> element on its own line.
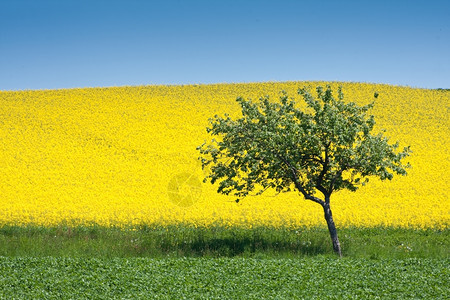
<point x="332" y="229"/>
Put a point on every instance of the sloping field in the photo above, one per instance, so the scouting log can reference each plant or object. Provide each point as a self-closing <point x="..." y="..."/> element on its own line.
<point x="127" y="156"/>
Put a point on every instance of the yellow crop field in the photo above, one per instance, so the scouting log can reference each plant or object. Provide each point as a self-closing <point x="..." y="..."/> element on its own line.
<point x="127" y="156"/>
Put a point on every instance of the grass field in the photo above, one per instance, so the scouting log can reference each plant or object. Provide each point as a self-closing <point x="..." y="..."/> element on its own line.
<point x="218" y="241"/>
<point x="223" y="278"/>
<point x="185" y="262"/>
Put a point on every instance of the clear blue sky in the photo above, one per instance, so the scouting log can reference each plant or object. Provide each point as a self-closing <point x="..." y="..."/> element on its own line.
<point x="47" y="44"/>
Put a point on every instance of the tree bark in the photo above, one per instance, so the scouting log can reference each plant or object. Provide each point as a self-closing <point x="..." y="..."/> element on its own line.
<point x="332" y="228"/>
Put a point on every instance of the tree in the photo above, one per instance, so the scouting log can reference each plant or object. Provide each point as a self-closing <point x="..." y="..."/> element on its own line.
<point x="325" y="148"/>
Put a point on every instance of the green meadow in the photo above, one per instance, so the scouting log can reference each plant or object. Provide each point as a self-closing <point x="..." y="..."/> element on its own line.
<point x="184" y="262"/>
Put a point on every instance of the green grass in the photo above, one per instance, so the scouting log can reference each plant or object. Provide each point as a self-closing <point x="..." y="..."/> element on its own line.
<point x="183" y="262"/>
<point x="223" y="278"/>
<point x="218" y="241"/>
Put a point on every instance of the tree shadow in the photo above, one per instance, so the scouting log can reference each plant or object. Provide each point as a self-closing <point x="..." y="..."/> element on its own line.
<point x="247" y="246"/>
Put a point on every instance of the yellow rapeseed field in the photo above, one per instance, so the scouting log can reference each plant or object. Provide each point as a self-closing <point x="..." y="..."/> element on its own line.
<point x="127" y="156"/>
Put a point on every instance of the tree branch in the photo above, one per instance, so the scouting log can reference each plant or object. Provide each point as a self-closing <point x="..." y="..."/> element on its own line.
<point x="325" y="164"/>
<point x="297" y="183"/>
<point x="323" y="190"/>
<point x="335" y="177"/>
<point x="319" y="181"/>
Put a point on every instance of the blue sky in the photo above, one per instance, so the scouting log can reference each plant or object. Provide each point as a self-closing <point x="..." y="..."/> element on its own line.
<point x="48" y="44"/>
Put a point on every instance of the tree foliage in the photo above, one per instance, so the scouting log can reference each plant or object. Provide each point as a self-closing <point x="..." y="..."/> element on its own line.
<point x="327" y="147"/>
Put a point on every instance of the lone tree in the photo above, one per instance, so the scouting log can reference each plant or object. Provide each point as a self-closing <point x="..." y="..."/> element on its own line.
<point x="325" y="148"/>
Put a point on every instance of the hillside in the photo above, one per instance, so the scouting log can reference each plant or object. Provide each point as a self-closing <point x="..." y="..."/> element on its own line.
<point x="126" y="155"/>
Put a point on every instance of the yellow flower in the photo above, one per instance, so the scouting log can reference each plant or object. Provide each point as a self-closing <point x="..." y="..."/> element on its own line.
<point x="127" y="156"/>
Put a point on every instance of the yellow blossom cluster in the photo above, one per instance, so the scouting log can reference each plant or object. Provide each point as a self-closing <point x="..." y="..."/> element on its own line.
<point x="127" y="156"/>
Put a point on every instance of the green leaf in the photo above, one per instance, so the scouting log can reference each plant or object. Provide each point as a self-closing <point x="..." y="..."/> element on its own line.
<point x="276" y="145"/>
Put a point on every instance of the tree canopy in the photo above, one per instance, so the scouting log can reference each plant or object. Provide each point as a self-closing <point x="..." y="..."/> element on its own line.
<point x="326" y="147"/>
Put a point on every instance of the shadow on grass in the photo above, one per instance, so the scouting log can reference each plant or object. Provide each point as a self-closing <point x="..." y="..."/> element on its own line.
<point x="219" y="241"/>
<point x="244" y="246"/>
